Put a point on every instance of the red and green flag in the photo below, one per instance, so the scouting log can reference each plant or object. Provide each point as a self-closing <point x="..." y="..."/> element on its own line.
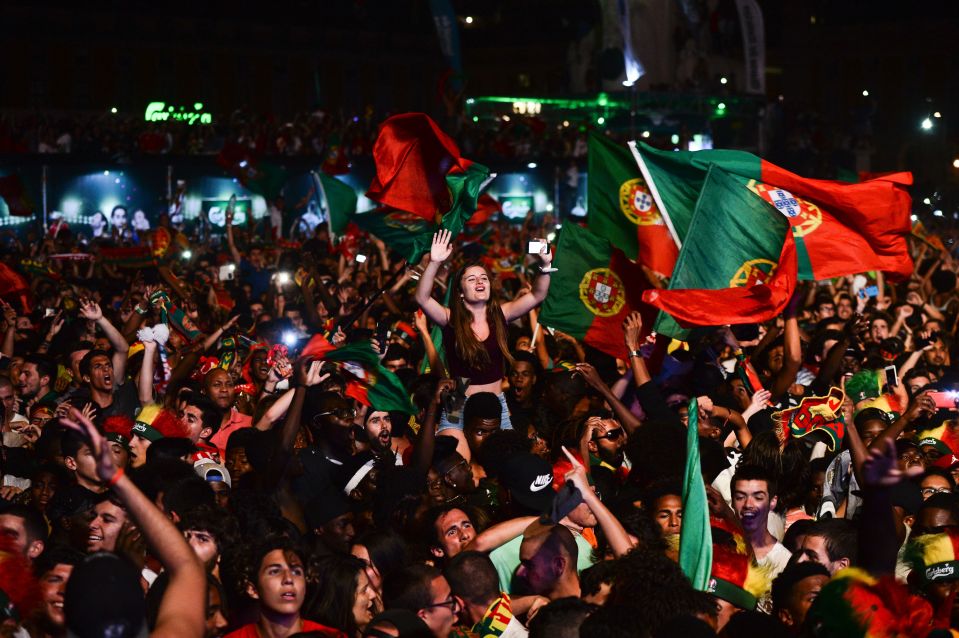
<point x="413" y="160"/>
<point x="411" y="235"/>
<point x="128" y="256"/>
<point x="398" y="229"/>
<point x="737" y="264"/>
<point x="369" y="382"/>
<point x="486" y="207"/>
<point x="340" y="200"/>
<point x="622" y="210"/>
<point x="839" y="228"/>
<point x="14" y="193"/>
<point x="593" y="291"/>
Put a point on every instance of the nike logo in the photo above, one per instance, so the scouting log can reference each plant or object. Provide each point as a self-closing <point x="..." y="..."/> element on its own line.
<point x="541" y="481"/>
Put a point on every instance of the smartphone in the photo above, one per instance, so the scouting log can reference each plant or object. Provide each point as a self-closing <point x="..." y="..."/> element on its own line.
<point x="227" y="272"/>
<point x="945" y="400"/>
<point x="871" y="291"/>
<point x="360" y="259"/>
<point x="535" y="247"/>
<point x="49" y="312"/>
<point x="892" y="376"/>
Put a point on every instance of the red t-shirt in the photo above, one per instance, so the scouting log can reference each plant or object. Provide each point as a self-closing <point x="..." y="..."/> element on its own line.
<point x="249" y="631"/>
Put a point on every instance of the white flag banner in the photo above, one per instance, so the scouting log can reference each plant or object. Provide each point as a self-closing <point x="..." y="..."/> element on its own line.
<point x="754" y="45"/>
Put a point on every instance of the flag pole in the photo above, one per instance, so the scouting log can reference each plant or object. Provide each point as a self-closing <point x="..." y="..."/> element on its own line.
<point x="321" y="197"/>
<point x="44" y="193"/>
<point x="369" y="302"/>
<point x="654" y="192"/>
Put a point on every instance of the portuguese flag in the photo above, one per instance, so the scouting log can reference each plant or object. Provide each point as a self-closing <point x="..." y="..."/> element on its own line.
<point x="737" y="265"/>
<point x="411" y="235"/>
<point x="128" y="256"/>
<point x="340" y="200"/>
<point x="622" y="210"/>
<point x="368" y="381"/>
<point x="839" y="229"/>
<point x="595" y="288"/>
<point x="414" y="160"/>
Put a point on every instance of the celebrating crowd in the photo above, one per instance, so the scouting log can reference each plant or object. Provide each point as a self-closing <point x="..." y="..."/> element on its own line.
<point x="187" y="451"/>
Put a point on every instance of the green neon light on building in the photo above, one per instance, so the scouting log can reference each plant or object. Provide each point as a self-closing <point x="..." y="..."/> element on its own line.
<point x="161" y="112"/>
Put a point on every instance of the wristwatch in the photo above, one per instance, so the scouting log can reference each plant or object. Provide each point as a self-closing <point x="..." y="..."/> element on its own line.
<point x="635" y="353"/>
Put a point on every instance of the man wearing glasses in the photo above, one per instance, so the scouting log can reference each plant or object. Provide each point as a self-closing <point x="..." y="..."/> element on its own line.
<point x="423" y="590"/>
<point x="602" y="440"/>
<point x="330" y="430"/>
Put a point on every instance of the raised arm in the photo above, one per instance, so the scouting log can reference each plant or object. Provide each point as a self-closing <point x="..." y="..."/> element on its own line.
<point x="629" y="420"/>
<point x="615" y="533"/>
<point x="10" y="329"/>
<point x="792" y="348"/>
<point x="439" y="252"/>
<point x="145" y="381"/>
<point x="229" y="235"/>
<point x="306" y="373"/>
<point x="432" y="355"/>
<point x="182" y="611"/>
<point x="523" y="304"/>
<point x="501" y="533"/>
<point x="426" y="442"/>
<point x="90" y="310"/>
<point x="633" y="335"/>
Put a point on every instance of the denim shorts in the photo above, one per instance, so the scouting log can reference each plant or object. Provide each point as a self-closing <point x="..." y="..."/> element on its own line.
<point x="505" y="423"/>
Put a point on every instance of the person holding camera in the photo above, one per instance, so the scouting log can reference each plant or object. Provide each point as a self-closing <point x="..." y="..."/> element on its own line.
<point x="475" y="324"/>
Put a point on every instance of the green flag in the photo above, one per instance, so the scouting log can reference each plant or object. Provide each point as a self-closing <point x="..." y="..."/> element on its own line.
<point x="464" y="191"/>
<point x="695" y="537"/>
<point x="734" y="239"/>
<point x="622" y="210"/>
<point x="374" y="385"/>
<point x="839" y="229"/>
<point x="409" y="234"/>
<point x="398" y="229"/>
<point x="264" y="178"/>
<point x="593" y="291"/>
<point x="340" y="200"/>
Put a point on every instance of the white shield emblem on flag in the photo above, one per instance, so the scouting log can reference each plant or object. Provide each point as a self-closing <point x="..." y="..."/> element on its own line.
<point x="784" y="202"/>
<point x="602" y="293"/>
<point x="642" y="201"/>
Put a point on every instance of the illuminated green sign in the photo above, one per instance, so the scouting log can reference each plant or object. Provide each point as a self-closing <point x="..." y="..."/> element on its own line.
<point x="161" y="112"/>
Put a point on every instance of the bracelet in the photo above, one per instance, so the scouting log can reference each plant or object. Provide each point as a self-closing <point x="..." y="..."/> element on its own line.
<point x="547" y="269"/>
<point x="116" y="478"/>
<point x="635" y="353"/>
<point x="139" y="310"/>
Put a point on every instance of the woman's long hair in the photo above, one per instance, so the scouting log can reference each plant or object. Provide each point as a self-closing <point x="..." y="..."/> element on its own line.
<point x="467" y="346"/>
<point x="332" y="602"/>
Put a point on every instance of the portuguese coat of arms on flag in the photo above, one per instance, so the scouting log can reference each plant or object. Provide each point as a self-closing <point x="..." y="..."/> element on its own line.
<point x="838" y="228"/>
<point x="595" y="288"/>
<point x="622" y="209"/>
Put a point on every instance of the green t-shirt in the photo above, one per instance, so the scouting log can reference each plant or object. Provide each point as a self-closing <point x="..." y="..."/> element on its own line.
<point x="506" y="560"/>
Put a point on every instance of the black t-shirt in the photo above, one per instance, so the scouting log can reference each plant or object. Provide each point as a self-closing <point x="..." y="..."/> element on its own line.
<point x="125" y="402"/>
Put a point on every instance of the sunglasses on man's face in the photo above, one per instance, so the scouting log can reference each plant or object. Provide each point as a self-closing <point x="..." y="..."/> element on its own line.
<point x="344" y="413"/>
<point x="612" y="435"/>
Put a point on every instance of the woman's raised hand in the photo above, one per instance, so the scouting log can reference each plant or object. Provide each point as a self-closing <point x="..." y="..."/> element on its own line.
<point x="441" y="248"/>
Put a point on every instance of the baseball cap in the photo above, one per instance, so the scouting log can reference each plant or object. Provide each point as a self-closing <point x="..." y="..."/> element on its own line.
<point x="529" y="480"/>
<point x="213" y="472"/>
